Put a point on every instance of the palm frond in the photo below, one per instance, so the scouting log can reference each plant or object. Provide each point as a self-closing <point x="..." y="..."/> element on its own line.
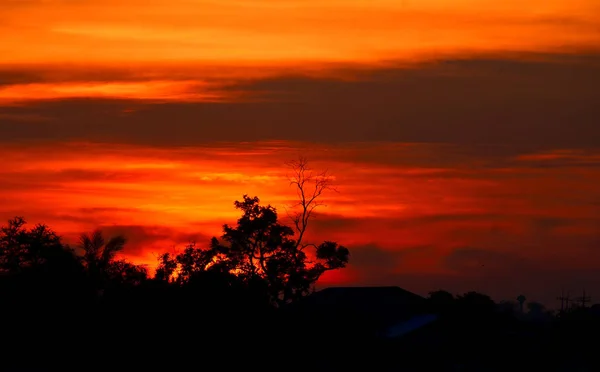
<point x="97" y="240"/>
<point x="112" y="247"/>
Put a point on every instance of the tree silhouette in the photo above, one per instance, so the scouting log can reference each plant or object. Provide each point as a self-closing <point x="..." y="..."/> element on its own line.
<point x="441" y="301"/>
<point x="22" y="248"/>
<point x="441" y="297"/>
<point x="475" y="304"/>
<point x="98" y="253"/>
<point x="309" y="188"/>
<point x="38" y="275"/>
<point x="262" y="251"/>
<point x="223" y="292"/>
<point x="99" y="260"/>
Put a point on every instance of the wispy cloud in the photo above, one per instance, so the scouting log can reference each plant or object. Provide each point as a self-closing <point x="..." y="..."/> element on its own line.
<point x="156" y="91"/>
<point x="440" y="196"/>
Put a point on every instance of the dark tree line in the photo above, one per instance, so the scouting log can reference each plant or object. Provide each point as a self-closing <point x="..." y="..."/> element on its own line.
<point x="85" y="299"/>
<point x="224" y="305"/>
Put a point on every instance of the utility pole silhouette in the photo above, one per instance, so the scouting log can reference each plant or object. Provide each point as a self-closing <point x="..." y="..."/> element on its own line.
<point x="564" y="301"/>
<point x="583" y="299"/>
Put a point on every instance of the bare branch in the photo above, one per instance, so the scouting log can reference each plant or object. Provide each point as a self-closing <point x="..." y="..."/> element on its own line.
<point x="310" y="186"/>
<point x="304" y="245"/>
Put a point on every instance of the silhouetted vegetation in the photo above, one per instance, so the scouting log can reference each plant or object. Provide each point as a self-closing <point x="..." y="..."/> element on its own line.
<point x="260" y="252"/>
<point x="247" y="300"/>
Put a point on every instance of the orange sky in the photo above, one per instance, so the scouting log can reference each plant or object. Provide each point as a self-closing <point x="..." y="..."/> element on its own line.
<point x="238" y="36"/>
<point x="463" y="134"/>
<point x="113" y="31"/>
<point x="418" y="205"/>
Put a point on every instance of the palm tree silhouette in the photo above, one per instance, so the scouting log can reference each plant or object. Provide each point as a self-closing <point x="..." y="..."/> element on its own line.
<point x="99" y="254"/>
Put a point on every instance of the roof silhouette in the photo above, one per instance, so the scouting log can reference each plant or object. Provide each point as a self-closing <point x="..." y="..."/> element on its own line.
<point x="366" y="297"/>
<point x="369" y="309"/>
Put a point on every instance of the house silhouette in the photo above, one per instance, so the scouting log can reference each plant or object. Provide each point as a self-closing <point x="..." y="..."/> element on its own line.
<point x="362" y="312"/>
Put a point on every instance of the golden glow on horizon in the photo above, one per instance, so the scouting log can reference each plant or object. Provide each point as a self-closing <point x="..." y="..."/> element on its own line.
<point x="161" y="197"/>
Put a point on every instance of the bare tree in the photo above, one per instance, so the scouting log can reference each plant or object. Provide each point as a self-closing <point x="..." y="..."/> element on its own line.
<point x="263" y="252"/>
<point x="310" y="186"/>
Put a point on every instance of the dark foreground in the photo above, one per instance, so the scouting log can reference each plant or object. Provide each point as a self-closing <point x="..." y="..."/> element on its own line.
<point x="149" y="328"/>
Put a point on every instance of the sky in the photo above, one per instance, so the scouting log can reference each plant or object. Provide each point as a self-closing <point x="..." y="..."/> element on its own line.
<point x="463" y="135"/>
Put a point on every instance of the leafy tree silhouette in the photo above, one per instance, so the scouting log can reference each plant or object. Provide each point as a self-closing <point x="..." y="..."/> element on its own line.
<point x="42" y="281"/>
<point x="261" y="251"/>
<point x="441" y="297"/>
<point x="475" y="303"/>
<point x="22" y="248"/>
<point x="35" y="266"/>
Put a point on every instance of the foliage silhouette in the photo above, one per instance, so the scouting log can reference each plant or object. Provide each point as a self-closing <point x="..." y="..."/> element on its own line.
<point x="246" y="298"/>
<point x="261" y="251"/>
<point x="99" y="260"/>
<point x="441" y="300"/>
<point x="22" y="249"/>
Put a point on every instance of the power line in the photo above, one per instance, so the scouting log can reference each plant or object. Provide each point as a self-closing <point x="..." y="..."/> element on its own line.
<point x="583" y="299"/>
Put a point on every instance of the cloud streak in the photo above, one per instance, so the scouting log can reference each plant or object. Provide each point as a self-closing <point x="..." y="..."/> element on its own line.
<point x="158" y="91"/>
<point x="458" y="133"/>
<point x="471" y="101"/>
<point x="417" y="214"/>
